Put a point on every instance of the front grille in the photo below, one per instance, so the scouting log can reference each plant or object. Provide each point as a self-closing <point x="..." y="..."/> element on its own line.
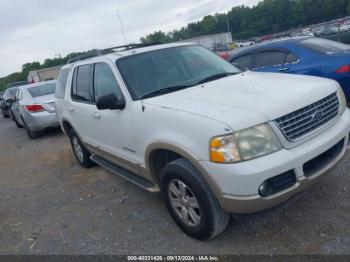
<point x="303" y="121"/>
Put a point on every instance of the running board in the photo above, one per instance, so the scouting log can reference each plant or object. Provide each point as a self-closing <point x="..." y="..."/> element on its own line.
<point x="131" y="177"/>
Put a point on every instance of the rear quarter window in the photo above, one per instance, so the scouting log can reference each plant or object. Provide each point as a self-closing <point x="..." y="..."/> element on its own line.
<point x="61" y="84"/>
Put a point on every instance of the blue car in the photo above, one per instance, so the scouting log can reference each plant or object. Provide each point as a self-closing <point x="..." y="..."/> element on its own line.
<point x="302" y="55"/>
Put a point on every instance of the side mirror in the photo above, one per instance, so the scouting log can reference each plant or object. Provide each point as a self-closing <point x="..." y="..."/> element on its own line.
<point x="9" y="101"/>
<point x="110" y="101"/>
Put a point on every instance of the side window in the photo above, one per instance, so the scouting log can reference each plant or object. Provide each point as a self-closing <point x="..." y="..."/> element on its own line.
<point x="61" y="84"/>
<point x="105" y="81"/>
<point x="244" y="62"/>
<point x="291" y="58"/>
<point x="81" y="87"/>
<point x="269" y="58"/>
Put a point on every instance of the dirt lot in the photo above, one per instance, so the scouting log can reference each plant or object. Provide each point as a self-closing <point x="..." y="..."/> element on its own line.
<point x="49" y="205"/>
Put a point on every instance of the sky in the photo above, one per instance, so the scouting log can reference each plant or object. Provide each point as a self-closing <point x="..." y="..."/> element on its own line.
<point x="38" y="29"/>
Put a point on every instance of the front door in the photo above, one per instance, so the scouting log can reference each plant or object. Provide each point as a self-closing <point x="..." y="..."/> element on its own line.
<point x="112" y="130"/>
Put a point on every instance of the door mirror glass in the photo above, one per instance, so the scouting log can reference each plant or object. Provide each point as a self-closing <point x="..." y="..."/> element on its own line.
<point x="10" y="100"/>
<point x="110" y="101"/>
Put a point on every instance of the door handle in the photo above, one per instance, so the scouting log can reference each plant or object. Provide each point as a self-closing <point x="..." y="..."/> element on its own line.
<point x="96" y="115"/>
<point x="283" y="69"/>
<point x="71" y="109"/>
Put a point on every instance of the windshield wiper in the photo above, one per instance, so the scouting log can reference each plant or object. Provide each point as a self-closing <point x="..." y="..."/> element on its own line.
<point x="165" y="91"/>
<point x="214" y="77"/>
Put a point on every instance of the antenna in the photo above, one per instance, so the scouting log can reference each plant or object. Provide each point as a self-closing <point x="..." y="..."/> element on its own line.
<point x="122" y="27"/>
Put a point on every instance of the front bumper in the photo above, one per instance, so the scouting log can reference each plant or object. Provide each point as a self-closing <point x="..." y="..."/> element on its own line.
<point x="239" y="183"/>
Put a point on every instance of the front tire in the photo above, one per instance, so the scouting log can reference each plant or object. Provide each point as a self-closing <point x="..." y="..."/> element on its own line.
<point x="81" y="154"/>
<point x="190" y="201"/>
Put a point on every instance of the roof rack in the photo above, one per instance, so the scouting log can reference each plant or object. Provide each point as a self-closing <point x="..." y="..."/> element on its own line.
<point x="100" y="52"/>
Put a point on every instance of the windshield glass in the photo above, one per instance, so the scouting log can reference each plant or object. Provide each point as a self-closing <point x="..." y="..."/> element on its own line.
<point x="324" y="46"/>
<point x="42" y="90"/>
<point x="182" y="66"/>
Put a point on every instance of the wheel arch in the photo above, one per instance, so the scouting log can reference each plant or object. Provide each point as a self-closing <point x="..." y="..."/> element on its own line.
<point x="161" y="149"/>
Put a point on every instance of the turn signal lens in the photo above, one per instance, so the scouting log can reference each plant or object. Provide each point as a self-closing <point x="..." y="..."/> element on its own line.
<point x="223" y="149"/>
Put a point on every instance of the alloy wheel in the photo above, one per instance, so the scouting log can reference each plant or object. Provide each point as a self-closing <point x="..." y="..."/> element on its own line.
<point x="184" y="203"/>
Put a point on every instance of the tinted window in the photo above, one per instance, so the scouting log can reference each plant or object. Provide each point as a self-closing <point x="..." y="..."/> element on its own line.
<point x="244" y="62"/>
<point x="12" y="92"/>
<point x="323" y="45"/>
<point x="61" y="83"/>
<point x="291" y="58"/>
<point x="9" y="93"/>
<point x="105" y="81"/>
<point x="81" y="84"/>
<point x="269" y="58"/>
<point x="178" y="66"/>
<point x="42" y="90"/>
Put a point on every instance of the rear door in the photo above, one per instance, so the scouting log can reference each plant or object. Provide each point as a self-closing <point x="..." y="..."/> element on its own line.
<point x="82" y="102"/>
<point x="16" y="104"/>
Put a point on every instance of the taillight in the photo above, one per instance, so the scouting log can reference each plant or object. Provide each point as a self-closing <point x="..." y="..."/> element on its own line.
<point x="35" y="108"/>
<point x="344" y="69"/>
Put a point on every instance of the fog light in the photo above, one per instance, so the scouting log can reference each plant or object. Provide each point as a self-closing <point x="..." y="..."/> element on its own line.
<point x="264" y="188"/>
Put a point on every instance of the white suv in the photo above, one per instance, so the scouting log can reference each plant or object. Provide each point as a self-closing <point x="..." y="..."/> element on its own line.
<point x="178" y="119"/>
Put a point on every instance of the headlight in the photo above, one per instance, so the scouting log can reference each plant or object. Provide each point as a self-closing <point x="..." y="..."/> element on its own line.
<point x="342" y="101"/>
<point x="244" y="145"/>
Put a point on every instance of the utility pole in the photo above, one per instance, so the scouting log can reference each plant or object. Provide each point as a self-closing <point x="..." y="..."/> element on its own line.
<point x="122" y="27"/>
<point x="228" y="25"/>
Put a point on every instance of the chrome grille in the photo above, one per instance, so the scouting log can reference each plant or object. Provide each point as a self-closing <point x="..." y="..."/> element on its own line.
<point x="303" y="121"/>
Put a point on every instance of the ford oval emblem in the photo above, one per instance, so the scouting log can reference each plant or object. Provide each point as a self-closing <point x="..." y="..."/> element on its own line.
<point x="317" y="116"/>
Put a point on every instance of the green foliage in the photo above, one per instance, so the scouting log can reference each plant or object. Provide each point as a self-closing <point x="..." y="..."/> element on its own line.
<point x="268" y="16"/>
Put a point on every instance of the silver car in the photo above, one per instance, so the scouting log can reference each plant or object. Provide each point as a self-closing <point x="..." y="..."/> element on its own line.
<point x="34" y="108"/>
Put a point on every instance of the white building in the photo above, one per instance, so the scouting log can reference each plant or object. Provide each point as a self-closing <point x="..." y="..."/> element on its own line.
<point x="211" y="41"/>
<point x="44" y="74"/>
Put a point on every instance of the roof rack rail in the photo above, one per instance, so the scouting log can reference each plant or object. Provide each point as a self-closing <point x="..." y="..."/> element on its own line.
<point x="99" y="52"/>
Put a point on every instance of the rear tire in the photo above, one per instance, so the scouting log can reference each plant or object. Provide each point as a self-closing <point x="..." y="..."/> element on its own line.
<point x="31" y="134"/>
<point x="16" y="122"/>
<point x="190" y="202"/>
<point x="81" y="154"/>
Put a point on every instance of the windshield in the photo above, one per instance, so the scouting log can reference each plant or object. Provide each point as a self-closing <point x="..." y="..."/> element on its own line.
<point x="324" y="46"/>
<point x="42" y="90"/>
<point x="184" y="66"/>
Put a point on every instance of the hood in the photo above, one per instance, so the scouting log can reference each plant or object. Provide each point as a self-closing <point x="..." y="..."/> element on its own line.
<point x="249" y="98"/>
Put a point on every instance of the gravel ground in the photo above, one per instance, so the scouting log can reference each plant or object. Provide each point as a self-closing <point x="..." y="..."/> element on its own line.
<point x="50" y="205"/>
